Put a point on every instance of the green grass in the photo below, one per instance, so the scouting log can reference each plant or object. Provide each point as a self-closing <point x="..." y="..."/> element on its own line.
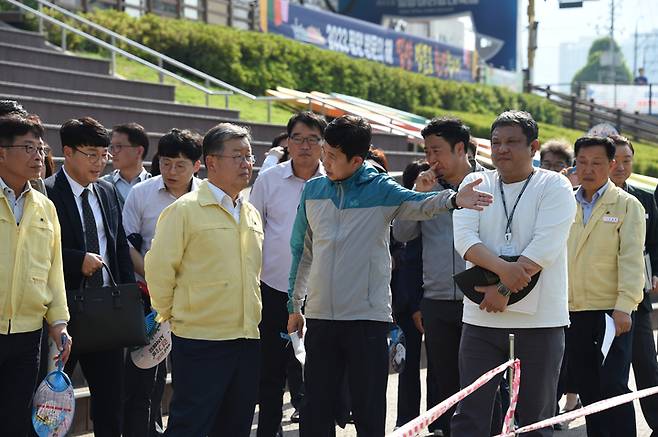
<point x="249" y="109"/>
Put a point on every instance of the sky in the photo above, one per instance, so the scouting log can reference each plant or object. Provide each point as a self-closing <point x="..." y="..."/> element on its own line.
<point x="573" y="24"/>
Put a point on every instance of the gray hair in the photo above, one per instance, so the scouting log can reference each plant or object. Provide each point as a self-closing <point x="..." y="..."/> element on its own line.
<point x="216" y="137"/>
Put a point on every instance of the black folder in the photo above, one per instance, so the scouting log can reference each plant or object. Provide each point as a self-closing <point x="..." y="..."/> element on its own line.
<point x="478" y="276"/>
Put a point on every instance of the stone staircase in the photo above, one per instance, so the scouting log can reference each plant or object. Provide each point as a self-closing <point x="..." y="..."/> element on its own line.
<point x="58" y="86"/>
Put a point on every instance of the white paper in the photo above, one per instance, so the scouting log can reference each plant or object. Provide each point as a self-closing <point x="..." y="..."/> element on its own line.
<point x="298" y="346"/>
<point x="529" y="304"/>
<point x="608" y="337"/>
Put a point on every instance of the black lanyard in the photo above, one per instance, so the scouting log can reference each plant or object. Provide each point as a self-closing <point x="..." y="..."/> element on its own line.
<point x="509" y="217"/>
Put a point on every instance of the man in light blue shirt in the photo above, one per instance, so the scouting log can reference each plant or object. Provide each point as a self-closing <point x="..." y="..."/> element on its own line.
<point x="588" y="207"/>
<point x="129" y="146"/>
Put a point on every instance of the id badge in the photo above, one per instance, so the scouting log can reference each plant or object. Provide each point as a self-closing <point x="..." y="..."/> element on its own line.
<point x="507" y="249"/>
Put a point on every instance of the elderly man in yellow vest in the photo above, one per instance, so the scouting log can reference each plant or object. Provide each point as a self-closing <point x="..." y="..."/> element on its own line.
<point x="31" y="274"/>
<point x="203" y="272"/>
<point x="606" y="278"/>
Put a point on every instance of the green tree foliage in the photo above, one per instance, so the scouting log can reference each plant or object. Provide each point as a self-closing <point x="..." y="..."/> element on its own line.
<point x="594" y="72"/>
<point x="255" y="62"/>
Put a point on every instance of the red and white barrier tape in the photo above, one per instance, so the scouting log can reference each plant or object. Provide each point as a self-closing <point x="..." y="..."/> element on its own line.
<point x="585" y="411"/>
<point x="419" y="423"/>
<point x="508" y="422"/>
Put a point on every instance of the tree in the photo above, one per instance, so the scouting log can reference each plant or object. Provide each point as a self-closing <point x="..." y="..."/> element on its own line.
<point x="597" y="69"/>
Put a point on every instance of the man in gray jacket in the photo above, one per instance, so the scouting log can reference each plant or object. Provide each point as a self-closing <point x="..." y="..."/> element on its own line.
<point x="341" y="263"/>
<point x="440" y="314"/>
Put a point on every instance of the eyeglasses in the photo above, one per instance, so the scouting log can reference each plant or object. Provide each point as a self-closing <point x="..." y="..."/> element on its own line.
<point x="30" y="149"/>
<point x="116" y="148"/>
<point x="237" y="159"/>
<point x="299" y="140"/>
<point x="93" y="157"/>
<point x="555" y="166"/>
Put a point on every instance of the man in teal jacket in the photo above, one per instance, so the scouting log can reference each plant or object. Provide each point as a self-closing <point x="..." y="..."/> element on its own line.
<point x="341" y="264"/>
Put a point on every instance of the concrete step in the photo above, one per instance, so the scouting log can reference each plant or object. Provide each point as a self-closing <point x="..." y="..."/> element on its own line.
<point x="57" y="111"/>
<point x="49" y="58"/>
<point x="22" y="38"/>
<point x="119" y="101"/>
<point x="60" y="78"/>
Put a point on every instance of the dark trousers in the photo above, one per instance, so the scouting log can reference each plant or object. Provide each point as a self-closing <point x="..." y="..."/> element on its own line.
<point x="333" y="348"/>
<point x="19" y="364"/>
<point x="215" y="387"/>
<point x="645" y="366"/>
<point x="442" y="321"/>
<point x="409" y="378"/>
<point x="597" y="380"/>
<point x="142" y="397"/>
<point x="104" y="374"/>
<point x="295" y="382"/>
<point x="540" y="352"/>
<point x="276" y="353"/>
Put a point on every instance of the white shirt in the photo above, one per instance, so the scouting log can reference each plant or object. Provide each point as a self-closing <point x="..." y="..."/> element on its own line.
<point x="143" y="206"/>
<point x="540" y="229"/>
<point x="94" y="203"/>
<point x="17" y="204"/>
<point x="276" y="195"/>
<point x="226" y="202"/>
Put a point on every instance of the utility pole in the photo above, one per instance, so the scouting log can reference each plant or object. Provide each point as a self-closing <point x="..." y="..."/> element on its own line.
<point x="635" y="51"/>
<point x="532" y="43"/>
<point x="613" y="61"/>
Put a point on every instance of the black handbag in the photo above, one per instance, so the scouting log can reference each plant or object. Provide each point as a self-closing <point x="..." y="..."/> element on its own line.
<point x="107" y="317"/>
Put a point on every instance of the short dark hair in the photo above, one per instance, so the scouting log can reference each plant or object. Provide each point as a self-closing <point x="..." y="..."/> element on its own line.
<point x="472" y="147"/>
<point x="589" y="141"/>
<point x="14" y="125"/>
<point x="213" y="141"/>
<point x="557" y="147"/>
<point x="180" y="142"/>
<point x="8" y="107"/>
<point x="450" y="129"/>
<point x="411" y="172"/>
<point x="379" y="157"/>
<point x="620" y="140"/>
<point x="518" y="118"/>
<point x="84" y="131"/>
<point x="136" y="135"/>
<point x="310" y="119"/>
<point x="277" y="139"/>
<point x="351" y="134"/>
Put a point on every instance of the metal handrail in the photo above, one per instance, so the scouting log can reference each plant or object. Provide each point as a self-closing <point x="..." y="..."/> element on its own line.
<point x="162" y="58"/>
<point x="113" y="48"/>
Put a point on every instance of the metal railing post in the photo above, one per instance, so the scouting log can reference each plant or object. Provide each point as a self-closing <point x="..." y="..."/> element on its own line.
<point x="207" y="93"/>
<point x="63" y="42"/>
<point x="160" y="74"/>
<point x="113" y="65"/>
<point x="269" y="111"/>
<point x="650" y="98"/>
<point x="226" y="100"/>
<point x="40" y="9"/>
<point x="510" y="374"/>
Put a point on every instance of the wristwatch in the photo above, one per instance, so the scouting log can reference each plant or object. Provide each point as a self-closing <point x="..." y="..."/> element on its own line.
<point x="504" y="291"/>
<point x="453" y="201"/>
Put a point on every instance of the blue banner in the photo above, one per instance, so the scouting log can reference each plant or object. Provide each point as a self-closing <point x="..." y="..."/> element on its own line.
<point x="495" y="18"/>
<point x="364" y="40"/>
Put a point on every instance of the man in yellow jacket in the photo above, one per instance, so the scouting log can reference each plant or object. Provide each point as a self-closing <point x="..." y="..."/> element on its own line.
<point x="31" y="275"/>
<point x="203" y="272"/>
<point x="606" y="278"/>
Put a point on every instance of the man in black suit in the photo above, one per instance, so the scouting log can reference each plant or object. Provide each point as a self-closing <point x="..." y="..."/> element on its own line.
<point x="92" y="234"/>
<point x="645" y="365"/>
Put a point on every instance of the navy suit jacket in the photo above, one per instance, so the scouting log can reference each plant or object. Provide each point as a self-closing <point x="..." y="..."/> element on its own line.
<point x="73" y="239"/>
